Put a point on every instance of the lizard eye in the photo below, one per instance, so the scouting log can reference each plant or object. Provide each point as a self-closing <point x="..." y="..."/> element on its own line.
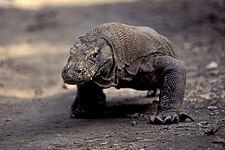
<point x="83" y="39"/>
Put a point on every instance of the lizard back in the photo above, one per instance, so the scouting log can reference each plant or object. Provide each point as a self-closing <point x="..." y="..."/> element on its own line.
<point x="130" y="43"/>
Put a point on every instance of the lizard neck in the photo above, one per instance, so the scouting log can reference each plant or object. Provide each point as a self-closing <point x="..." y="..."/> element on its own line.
<point x="106" y="77"/>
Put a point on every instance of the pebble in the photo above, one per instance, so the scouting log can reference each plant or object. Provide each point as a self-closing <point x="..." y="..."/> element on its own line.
<point x="211" y="108"/>
<point x="133" y="123"/>
<point x="104" y="143"/>
<point x="212" y="65"/>
<point x="203" y="123"/>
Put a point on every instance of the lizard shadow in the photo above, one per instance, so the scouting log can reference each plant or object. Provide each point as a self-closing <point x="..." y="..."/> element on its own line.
<point x="129" y="107"/>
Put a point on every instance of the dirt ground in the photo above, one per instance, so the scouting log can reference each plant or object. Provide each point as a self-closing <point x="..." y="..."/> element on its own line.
<point x="34" y="46"/>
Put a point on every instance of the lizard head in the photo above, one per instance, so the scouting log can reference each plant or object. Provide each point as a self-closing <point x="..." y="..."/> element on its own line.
<point x="85" y="60"/>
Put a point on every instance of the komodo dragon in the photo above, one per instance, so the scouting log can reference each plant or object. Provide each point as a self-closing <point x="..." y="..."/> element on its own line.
<point x="125" y="56"/>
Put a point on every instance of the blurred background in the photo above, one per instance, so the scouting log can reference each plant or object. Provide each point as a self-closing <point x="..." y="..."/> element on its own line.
<point x="35" y="37"/>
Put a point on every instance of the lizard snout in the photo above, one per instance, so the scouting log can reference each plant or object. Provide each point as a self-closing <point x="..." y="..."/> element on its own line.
<point x="75" y="76"/>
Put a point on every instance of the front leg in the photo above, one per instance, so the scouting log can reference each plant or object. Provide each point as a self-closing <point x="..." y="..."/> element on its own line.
<point x="89" y="102"/>
<point x="173" y="76"/>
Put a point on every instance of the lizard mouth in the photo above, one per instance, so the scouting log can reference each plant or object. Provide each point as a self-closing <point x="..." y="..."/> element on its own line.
<point x="72" y="82"/>
<point x="75" y="79"/>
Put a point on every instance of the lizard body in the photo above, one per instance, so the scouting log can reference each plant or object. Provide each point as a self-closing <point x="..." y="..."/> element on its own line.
<point x="125" y="56"/>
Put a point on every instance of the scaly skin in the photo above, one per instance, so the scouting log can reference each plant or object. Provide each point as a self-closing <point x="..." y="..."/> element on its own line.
<point x="124" y="56"/>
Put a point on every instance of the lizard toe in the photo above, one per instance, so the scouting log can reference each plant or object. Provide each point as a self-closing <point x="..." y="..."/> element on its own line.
<point x="175" y="118"/>
<point x="184" y="116"/>
<point x="156" y="120"/>
<point x="167" y="120"/>
<point x="172" y="119"/>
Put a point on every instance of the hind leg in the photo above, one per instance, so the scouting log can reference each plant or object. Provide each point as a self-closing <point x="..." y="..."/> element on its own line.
<point x="171" y="96"/>
<point x="89" y="102"/>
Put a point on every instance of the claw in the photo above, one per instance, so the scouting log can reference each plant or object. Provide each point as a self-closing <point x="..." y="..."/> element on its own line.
<point x="167" y="120"/>
<point x="184" y="116"/>
<point x="155" y="120"/>
<point x="175" y="119"/>
<point x="152" y="120"/>
<point x="72" y="115"/>
<point x="158" y="120"/>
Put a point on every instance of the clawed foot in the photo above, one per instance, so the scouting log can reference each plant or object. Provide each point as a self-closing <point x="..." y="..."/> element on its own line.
<point x="169" y="119"/>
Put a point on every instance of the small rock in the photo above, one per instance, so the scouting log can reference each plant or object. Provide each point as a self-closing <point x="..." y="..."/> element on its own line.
<point x="138" y="138"/>
<point x="104" y="143"/>
<point x="133" y="123"/>
<point x="217" y="113"/>
<point x="214" y="89"/>
<point x="212" y="65"/>
<point x="212" y="108"/>
<point x="203" y="123"/>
